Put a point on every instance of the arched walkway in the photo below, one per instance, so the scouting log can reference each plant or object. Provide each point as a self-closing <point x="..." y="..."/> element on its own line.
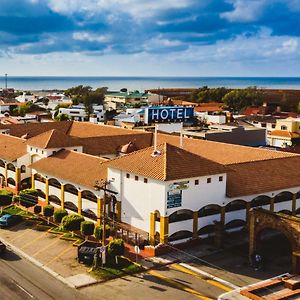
<point x="54" y="199"/>
<point x="261" y="201"/>
<point x="180" y="235"/>
<point x="71" y="206"/>
<point x="181" y="215"/>
<point x="209" y="210"/>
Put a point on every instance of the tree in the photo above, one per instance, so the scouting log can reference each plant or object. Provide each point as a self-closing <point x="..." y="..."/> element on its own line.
<point x="48" y="211"/>
<point x="116" y="248"/>
<point x="28" y="197"/>
<point x="5" y="198"/>
<point x="71" y="222"/>
<point x="98" y="232"/>
<point x="59" y="214"/>
<point x="87" y="228"/>
<point x="62" y="117"/>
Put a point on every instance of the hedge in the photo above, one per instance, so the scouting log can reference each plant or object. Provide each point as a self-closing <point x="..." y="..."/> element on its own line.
<point x="71" y="222"/>
<point x="99" y="230"/>
<point x="48" y="211"/>
<point x="59" y="214"/>
<point x="37" y="209"/>
<point x="28" y="197"/>
<point x="87" y="228"/>
<point x="116" y="247"/>
<point x="5" y="197"/>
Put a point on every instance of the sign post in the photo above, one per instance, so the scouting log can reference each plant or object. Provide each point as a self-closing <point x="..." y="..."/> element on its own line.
<point x="137" y="251"/>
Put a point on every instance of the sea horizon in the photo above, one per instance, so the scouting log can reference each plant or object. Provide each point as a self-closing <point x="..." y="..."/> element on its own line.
<point x="141" y="83"/>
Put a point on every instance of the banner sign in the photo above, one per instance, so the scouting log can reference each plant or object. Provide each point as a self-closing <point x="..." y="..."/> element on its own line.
<point x="163" y="114"/>
<point x="174" y="195"/>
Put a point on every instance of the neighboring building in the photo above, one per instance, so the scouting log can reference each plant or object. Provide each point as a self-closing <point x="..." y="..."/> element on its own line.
<point x="119" y="100"/>
<point x="169" y="194"/>
<point x="239" y="135"/>
<point x="286" y="133"/>
<point x="78" y="113"/>
<point x="130" y="117"/>
<point x="25" y="98"/>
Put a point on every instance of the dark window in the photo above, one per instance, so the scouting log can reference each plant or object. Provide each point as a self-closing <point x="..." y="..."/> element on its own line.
<point x="208" y="180"/>
<point x="220" y="178"/>
<point x="23" y="169"/>
<point x="283" y="127"/>
<point x="263" y="125"/>
<point x="136" y="178"/>
<point x="75" y="149"/>
<point x="36" y="150"/>
<point x="127" y="175"/>
<point x="42" y="151"/>
<point x="145" y="180"/>
<point x="273" y="125"/>
<point x="196" y="181"/>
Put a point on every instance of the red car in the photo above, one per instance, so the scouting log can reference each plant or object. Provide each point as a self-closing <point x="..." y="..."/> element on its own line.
<point x="2" y="248"/>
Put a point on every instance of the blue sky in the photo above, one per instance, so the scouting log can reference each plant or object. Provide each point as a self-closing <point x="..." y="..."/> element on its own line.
<point x="150" y="37"/>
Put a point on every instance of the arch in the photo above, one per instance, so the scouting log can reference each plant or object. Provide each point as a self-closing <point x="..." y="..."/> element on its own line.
<point x="11" y="167"/>
<point x="54" y="199"/>
<point x="181" y="215"/>
<point x="236" y="205"/>
<point x="2" y="163"/>
<point x="235" y="224"/>
<point x="25" y="183"/>
<point x="89" y="195"/>
<point x="41" y="194"/>
<point x="285" y="211"/>
<point x="157" y="216"/>
<point x="298" y="211"/>
<point x="208" y="229"/>
<point x="283" y="197"/>
<point x="89" y="214"/>
<point x="34" y="158"/>
<point x="298" y="195"/>
<point x="11" y="181"/>
<point x="180" y="235"/>
<point x="54" y="182"/>
<point x="260" y="201"/>
<point x="70" y="188"/>
<point x="23" y="169"/>
<point x="209" y="210"/>
<point x="71" y="206"/>
<point x="39" y="177"/>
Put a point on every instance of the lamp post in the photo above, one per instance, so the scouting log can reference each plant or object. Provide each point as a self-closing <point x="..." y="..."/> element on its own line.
<point x="102" y="185"/>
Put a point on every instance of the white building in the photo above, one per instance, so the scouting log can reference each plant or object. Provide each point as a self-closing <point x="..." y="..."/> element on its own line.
<point x="78" y="113"/>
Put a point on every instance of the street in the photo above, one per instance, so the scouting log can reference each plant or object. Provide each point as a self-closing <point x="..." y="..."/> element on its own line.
<point x="20" y="279"/>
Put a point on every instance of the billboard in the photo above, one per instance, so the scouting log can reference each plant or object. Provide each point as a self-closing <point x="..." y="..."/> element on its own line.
<point x="165" y="114"/>
<point x="174" y="194"/>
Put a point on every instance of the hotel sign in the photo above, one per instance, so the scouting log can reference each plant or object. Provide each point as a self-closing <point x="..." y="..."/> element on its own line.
<point x="163" y="114"/>
<point x="174" y="195"/>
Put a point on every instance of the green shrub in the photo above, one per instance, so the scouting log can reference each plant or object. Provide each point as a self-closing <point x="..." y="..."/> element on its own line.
<point x="28" y="197"/>
<point x="71" y="222"/>
<point x="87" y="228"/>
<point x="59" y="214"/>
<point x="116" y="247"/>
<point x="48" y="211"/>
<point x="5" y="198"/>
<point x="99" y="231"/>
<point x="37" y="209"/>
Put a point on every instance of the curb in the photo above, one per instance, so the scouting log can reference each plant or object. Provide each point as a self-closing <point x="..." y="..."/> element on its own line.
<point x="194" y="269"/>
<point x="37" y="263"/>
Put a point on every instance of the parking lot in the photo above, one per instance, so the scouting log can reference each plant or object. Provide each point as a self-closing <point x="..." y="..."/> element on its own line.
<point x="47" y="248"/>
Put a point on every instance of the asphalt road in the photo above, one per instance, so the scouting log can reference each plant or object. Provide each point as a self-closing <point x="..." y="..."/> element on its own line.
<point x="21" y="280"/>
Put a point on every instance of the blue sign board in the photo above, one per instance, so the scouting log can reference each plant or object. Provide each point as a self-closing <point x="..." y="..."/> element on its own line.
<point x="174" y="199"/>
<point x="165" y="114"/>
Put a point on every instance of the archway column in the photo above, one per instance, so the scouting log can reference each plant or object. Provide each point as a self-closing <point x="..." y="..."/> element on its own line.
<point x="99" y="210"/>
<point x="32" y="181"/>
<point x="164" y="229"/>
<point x="119" y="209"/>
<point x="79" y="203"/>
<point x="252" y="244"/>
<point x="18" y="178"/>
<point x="248" y="207"/>
<point x="47" y="191"/>
<point x="5" y="173"/>
<point x="195" y="224"/>
<point x="152" y="228"/>
<point x="62" y="196"/>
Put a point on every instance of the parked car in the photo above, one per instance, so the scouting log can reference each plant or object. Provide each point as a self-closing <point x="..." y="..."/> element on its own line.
<point x="2" y="248"/>
<point x="9" y="220"/>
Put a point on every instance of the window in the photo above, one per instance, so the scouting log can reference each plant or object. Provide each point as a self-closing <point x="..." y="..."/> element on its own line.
<point x="136" y="178"/>
<point x="36" y="150"/>
<point x="196" y="181"/>
<point x="127" y="175"/>
<point x="75" y="149"/>
<point x="263" y="125"/>
<point x="145" y="180"/>
<point x="23" y="169"/>
<point x="220" y="178"/>
<point x="30" y="148"/>
<point x="283" y="127"/>
<point x="208" y="180"/>
<point x="42" y="151"/>
<point x="273" y="125"/>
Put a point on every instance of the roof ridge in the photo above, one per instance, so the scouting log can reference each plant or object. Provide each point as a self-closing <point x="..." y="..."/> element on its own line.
<point x="50" y="135"/>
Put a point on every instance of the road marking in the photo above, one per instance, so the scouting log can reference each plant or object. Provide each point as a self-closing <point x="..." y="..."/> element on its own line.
<point x="59" y="255"/>
<point x="179" y="285"/>
<point x="210" y="281"/>
<point x="39" y="237"/>
<point x="51" y="244"/>
<point x="21" y="288"/>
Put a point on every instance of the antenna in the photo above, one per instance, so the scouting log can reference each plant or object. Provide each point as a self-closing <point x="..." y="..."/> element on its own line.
<point x="6" y="81"/>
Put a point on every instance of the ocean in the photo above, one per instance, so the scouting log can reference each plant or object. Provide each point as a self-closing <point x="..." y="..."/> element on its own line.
<point x="142" y="83"/>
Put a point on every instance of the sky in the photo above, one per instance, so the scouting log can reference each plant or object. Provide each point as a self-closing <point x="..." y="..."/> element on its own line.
<point x="150" y="37"/>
